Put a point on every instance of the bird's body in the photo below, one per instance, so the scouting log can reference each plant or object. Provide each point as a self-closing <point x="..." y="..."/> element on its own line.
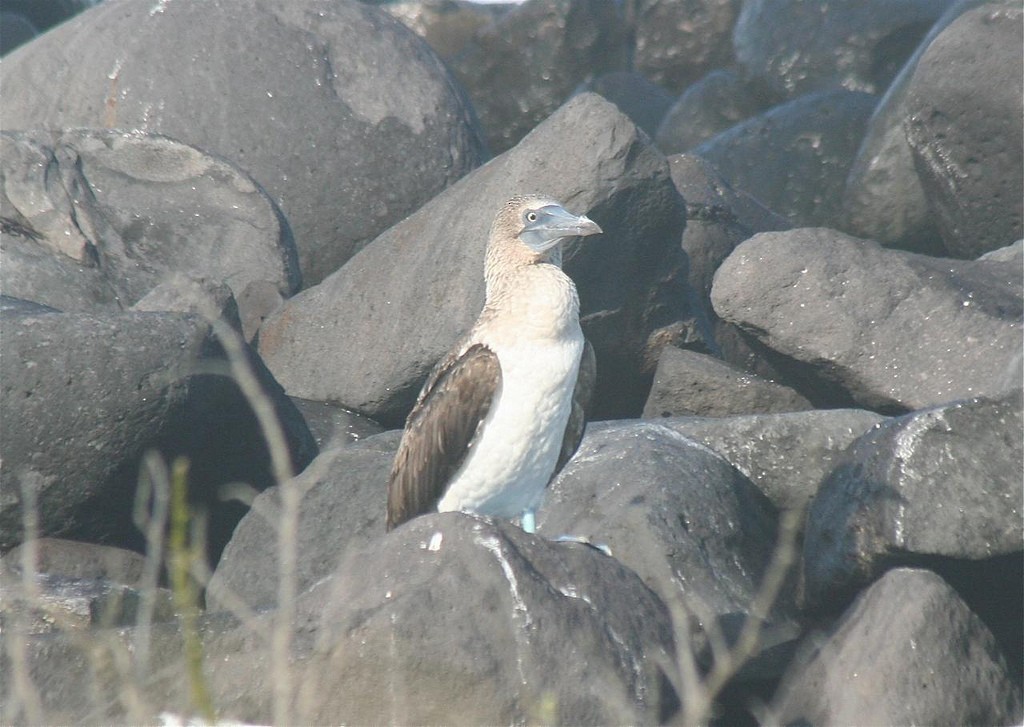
<point x="501" y="413"/>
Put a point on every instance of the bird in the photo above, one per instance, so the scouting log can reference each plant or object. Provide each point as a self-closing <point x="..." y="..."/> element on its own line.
<point x="504" y="410"/>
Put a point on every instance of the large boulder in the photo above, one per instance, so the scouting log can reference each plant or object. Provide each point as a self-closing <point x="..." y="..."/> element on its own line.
<point x="473" y="622"/>
<point x="884" y="200"/>
<point x="341" y="113"/>
<point x="966" y="129"/>
<point x="368" y="335"/>
<point x="794" y="158"/>
<point x="943" y="482"/>
<point x="840" y="309"/>
<point x="909" y="651"/>
<point x="85" y="396"/>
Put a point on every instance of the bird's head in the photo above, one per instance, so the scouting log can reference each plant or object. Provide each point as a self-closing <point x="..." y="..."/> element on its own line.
<point x="533" y="228"/>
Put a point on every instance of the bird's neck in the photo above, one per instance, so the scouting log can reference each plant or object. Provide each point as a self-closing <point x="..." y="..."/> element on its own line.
<point x="537" y="298"/>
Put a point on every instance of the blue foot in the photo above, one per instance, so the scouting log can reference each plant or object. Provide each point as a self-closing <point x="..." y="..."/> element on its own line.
<point x="529" y="522"/>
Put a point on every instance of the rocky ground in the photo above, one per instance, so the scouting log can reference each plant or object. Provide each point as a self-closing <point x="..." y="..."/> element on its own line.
<point x="242" y="233"/>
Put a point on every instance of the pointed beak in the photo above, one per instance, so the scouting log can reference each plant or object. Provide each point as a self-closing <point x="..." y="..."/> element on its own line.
<point x="554" y="224"/>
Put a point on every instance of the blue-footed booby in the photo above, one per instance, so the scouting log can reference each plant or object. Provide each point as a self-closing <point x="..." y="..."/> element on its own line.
<point x="504" y="410"/>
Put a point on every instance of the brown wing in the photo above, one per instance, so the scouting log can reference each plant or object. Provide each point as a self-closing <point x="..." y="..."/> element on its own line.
<point x="440" y="430"/>
<point x="580" y="406"/>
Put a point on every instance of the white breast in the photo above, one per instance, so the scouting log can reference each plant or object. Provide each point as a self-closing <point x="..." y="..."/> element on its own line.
<point x="514" y="455"/>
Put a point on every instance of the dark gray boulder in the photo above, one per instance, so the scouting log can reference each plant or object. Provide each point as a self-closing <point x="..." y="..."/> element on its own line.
<point x="344" y="493"/>
<point x="795" y="47"/>
<point x="908" y="651"/>
<point x="341" y="113"/>
<point x="522" y="67"/>
<point x="938" y="482"/>
<point x="86" y="395"/>
<point x="965" y="129"/>
<point x="718" y="218"/>
<point x="794" y="158"/>
<point x="884" y="200"/>
<point x="15" y="30"/>
<point x="690" y="383"/>
<point x="785" y="455"/>
<point x="456" y="619"/>
<point x="368" y="335"/>
<point x="678" y="41"/>
<point x="706" y="108"/>
<point x="843" y="310"/>
<point x="107" y="216"/>
<point x="692" y="526"/>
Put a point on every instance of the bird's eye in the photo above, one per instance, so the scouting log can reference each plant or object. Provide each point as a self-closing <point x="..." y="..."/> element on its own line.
<point x="531" y="216"/>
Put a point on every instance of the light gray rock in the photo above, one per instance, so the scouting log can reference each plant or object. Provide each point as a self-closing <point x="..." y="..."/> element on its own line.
<point x="107" y="216"/>
<point x="896" y="330"/>
<point x="908" y="651"/>
<point x="785" y="455"/>
<point x="339" y="111"/>
<point x="368" y="335"/>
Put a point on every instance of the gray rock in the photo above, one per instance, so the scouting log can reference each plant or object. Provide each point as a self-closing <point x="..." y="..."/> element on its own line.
<point x="643" y="102"/>
<point x="104" y="389"/>
<point x="884" y="200"/>
<point x="75" y="605"/>
<point x="678" y="41"/>
<point x="72" y="559"/>
<point x="965" y="129"/>
<point x="794" y="158"/>
<point x="909" y="651"/>
<point x="114" y="676"/>
<point x="111" y="215"/>
<point x="690" y="383"/>
<point x="384" y="319"/>
<point x="522" y="67"/>
<point x="202" y="297"/>
<point x="718" y="218"/>
<point x="795" y="47"/>
<point x="708" y="107"/>
<point x="842" y="309"/>
<point x="679" y="515"/>
<point x="785" y="455"/>
<point x="341" y="113"/>
<point x="446" y="25"/>
<point x="343" y="502"/>
<point x="15" y="30"/>
<point x="939" y="482"/>
<point x="456" y="619"/>
<point x="1008" y="254"/>
<point x="332" y="424"/>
